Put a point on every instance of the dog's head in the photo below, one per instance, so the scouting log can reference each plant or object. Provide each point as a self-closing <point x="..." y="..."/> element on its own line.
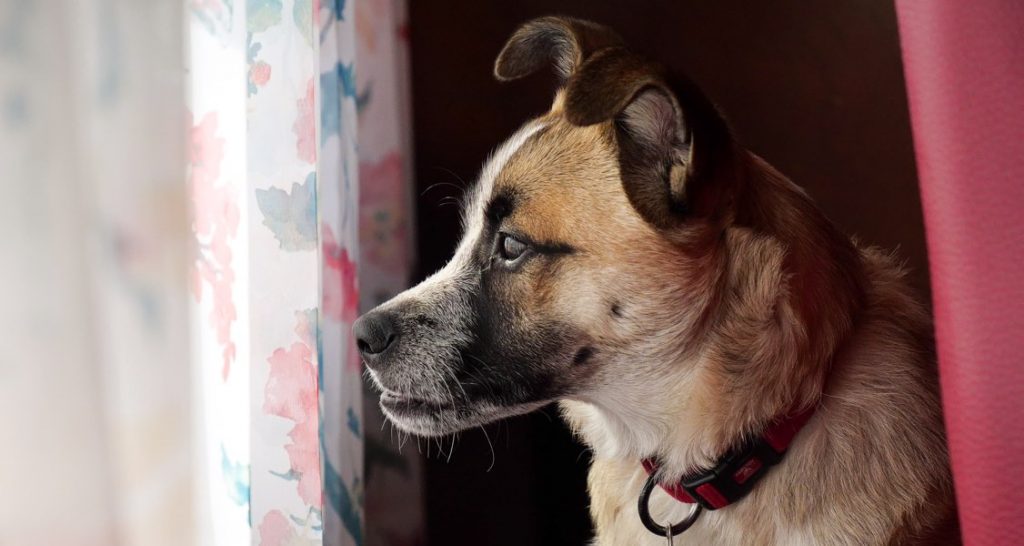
<point x="593" y="248"/>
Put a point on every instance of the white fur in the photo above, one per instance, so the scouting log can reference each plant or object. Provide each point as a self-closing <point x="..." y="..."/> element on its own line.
<point x="474" y="212"/>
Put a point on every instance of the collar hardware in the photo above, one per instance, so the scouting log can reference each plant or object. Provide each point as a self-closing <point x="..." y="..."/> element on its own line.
<point x="668" y="530"/>
<point x="738" y="471"/>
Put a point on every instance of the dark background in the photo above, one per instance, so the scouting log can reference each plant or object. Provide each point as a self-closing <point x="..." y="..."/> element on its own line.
<point x="816" y="88"/>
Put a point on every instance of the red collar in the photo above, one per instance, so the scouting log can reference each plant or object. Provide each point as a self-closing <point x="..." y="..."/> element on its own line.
<point x="735" y="474"/>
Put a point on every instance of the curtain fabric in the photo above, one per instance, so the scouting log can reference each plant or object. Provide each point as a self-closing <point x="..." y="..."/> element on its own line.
<point x="181" y="266"/>
<point x="394" y="482"/>
<point x="94" y="382"/>
<point x="964" y="64"/>
<point x="274" y="186"/>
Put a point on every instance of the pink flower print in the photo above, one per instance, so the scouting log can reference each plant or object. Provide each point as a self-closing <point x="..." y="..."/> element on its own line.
<point x="276" y="530"/>
<point x="340" y="289"/>
<point x="340" y="292"/>
<point x="291" y="386"/>
<point x="291" y="393"/>
<point x="206" y="151"/>
<point x="305" y="126"/>
<point x="215" y="219"/>
<point x="259" y="73"/>
<point x="382" y="217"/>
<point x="304" y="454"/>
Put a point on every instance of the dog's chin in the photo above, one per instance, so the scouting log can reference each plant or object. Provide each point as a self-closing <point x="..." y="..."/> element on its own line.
<point x="430" y="419"/>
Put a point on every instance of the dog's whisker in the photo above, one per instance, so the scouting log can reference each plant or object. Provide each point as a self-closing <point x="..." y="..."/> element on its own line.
<point x="454" y="174"/>
<point x="451" y="397"/>
<point x="450" y="200"/>
<point x="544" y="412"/>
<point x="441" y="185"/>
<point x="473" y="374"/>
<point x="450" y="372"/>
<point x="455" y="438"/>
<point x="491" y="446"/>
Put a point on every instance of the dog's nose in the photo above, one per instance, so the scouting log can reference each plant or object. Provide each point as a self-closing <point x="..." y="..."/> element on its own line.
<point x="375" y="332"/>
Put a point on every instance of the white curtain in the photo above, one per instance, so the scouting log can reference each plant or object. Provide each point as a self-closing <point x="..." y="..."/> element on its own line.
<point x="180" y="269"/>
<point x="94" y="381"/>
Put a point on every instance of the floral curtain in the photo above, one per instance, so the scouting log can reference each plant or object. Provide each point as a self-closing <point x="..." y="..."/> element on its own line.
<point x="274" y="185"/>
<point x="189" y="236"/>
<point x="394" y="484"/>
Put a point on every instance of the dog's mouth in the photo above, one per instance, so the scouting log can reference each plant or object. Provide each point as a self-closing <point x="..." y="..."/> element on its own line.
<point x="443" y="398"/>
<point x="421" y="415"/>
<point x="433" y="417"/>
<point x="404" y="405"/>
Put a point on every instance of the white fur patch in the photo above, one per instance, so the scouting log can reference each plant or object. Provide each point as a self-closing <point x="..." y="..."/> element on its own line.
<point x="474" y="219"/>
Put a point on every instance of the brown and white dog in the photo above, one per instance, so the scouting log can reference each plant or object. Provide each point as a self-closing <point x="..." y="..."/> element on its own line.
<point x="624" y="256"/>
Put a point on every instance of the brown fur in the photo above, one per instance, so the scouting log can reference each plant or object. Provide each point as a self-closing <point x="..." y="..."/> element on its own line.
<point x="793" y="314"/>
<point x="707" y="295"/>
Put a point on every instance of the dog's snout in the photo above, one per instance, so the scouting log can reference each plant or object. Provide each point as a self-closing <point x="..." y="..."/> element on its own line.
<point x="375" y="333"/>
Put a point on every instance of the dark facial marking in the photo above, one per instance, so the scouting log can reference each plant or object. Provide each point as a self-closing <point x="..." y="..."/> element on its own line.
<point x="510" y="359"/>
<point x="553" y="248"/>
<point x="499" y="208"/>
<point x="582" y="356"/>
<point x="424" y="320"/>
<point x="616" y="310"/>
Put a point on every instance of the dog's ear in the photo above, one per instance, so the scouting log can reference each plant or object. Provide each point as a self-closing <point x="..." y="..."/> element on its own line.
<point x="564" y="42"/>
<point x="670" y="138"/>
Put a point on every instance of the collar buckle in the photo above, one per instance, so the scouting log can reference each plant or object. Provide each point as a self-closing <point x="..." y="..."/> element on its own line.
<point x="738" y="471"/>
<point x="733" y="477"/>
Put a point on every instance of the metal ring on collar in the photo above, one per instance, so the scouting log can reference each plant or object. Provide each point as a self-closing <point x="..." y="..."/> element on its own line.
<point x="653" y="526"/>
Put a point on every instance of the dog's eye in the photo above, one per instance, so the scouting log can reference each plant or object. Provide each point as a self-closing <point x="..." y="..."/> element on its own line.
<point x="510" y="248"/>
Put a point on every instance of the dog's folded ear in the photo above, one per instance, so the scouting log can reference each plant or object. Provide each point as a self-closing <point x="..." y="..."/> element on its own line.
<point x="672" y="141"/>
<point x="564" y="42"/>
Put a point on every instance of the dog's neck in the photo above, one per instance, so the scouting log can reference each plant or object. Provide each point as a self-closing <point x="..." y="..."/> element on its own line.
<point x="681" y="426"/>
<point x="768" y="311"/>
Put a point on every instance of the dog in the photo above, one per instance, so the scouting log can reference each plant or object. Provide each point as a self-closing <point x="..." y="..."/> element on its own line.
<point x="682" y="301"/>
